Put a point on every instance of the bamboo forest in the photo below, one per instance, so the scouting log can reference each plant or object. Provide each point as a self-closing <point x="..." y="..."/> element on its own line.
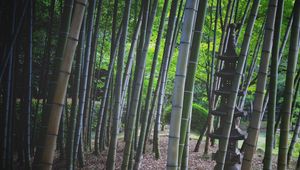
<point x="149" y="84"/>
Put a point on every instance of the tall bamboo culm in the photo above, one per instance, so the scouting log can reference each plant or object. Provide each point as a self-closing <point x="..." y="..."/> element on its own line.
<point x="148" y="115"/>
<point x="144" y="56"/>
<point x="289" y="89"/>
<point x="74" y="105"/>
<point x="164" y="68"/>
<point x="249" y="146"/>
<point x="273" y="88"/>
<point x="190" y="79"/>
<point x="49" y="142"/>
<point x="180" y="77"/>
<point x="110" y="163"/>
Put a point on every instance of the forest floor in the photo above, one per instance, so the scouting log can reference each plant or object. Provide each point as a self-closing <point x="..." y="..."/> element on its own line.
<point x="196" y="159"/>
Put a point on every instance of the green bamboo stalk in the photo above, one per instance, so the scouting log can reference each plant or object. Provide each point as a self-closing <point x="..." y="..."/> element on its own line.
<point x="108" y="80"/>
<point x="252" y="67"/>
<point x="249" y="145"/>
<point x="243" y="19"/>
<point x="129" y="64"/>
<point x="289" y="89"/>
<point x="152" y="112"/>
<point x="106" y="89"/>
<point x="190" y="79"/>
<point x="84" y="78"/>
<point x="144" y="54"/>
<point x="137" y="84"/>
<point x="148" y="115"/>
<point x="212" y="97"/>
<point x="93" y="54"/>
<point x="273" y="88"/>
<point x="298" y="163"/>
<point x="110" y="163"/>
<point x="293" y="141"/>
<point x="164" y="68"/>
<point x="178" y="94"/>
<point x="185" y="155"/>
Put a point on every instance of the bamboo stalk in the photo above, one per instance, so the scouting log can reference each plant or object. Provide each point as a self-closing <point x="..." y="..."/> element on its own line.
<point x="180" y="78"/>
<point x="47" y="154"/>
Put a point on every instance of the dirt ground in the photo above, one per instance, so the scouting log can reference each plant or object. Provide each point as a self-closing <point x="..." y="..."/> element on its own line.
<point x="196" y="159"/>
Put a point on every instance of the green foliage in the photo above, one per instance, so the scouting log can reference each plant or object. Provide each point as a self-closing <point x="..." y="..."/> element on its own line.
<point x="262" y="143"/>
<point x="199" y="117"/>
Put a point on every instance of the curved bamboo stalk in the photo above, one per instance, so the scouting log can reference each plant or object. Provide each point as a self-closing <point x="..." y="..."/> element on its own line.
<point x="152" y="111"/>
<point x="75" y="92"/>
<point x="12" y="42"/>
<point x="47" y="152"/>
<point x="218" y="65"/>
<point x="252" y="67"/>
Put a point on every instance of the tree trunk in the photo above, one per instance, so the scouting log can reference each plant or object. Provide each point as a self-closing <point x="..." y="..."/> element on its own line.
<point x="48" y="60"/>
<point x="252" y="67"/>
<point x="129" y="64"/>
<point x="298" y="163"/>
<point x="241" y="24"/>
